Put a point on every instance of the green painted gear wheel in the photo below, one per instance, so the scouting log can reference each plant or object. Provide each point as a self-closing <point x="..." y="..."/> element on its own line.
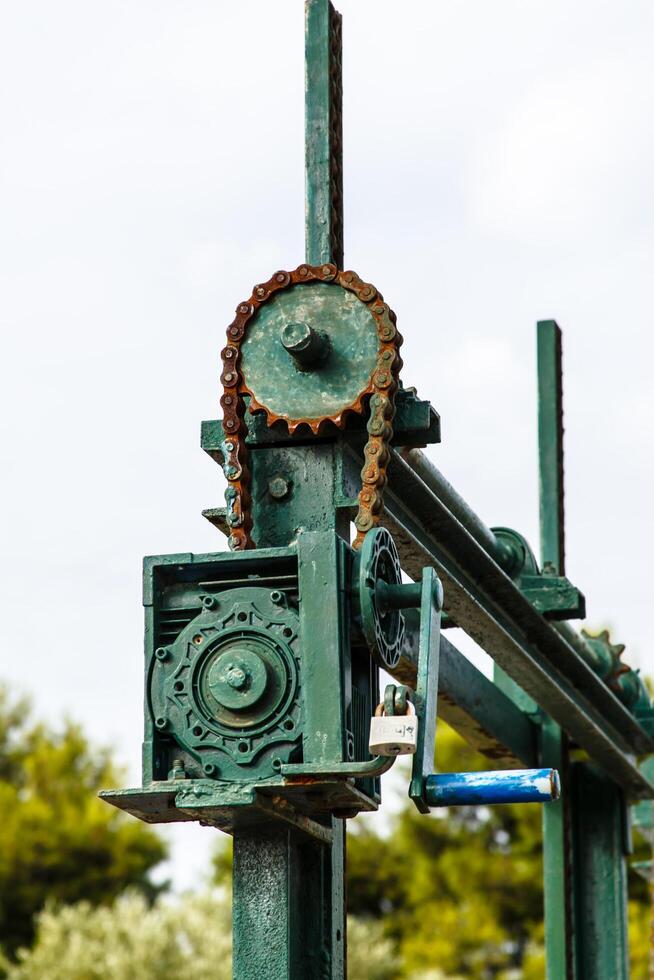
<point x="309" y="353"/>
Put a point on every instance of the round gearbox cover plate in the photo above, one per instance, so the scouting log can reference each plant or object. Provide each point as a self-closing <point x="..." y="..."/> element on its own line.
<point x="340" y="374"/>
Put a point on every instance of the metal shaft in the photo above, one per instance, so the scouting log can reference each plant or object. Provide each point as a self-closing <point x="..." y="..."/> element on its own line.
<point x="457" y="506"/>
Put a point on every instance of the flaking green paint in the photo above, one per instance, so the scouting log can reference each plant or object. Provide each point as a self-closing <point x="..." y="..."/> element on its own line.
<point x="351" y="332"/>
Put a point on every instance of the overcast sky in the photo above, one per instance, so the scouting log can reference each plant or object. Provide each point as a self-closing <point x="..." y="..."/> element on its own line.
<point x="498" y="169"/>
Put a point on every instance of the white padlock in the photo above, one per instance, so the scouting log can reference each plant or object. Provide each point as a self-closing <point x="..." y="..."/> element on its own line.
<point x="393" y="734"/>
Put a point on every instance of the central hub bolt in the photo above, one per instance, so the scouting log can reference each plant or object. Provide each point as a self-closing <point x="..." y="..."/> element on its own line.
<point x="307" y="347"/>
<point x="236" y="677"/>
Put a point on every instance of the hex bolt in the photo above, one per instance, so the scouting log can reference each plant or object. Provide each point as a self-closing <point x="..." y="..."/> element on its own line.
<point x="178" y="771"/>
<point x="308" y="348"/>
<point x="279" y="487"/>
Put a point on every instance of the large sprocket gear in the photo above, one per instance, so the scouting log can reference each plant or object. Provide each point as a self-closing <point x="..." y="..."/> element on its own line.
<point x="309" y="348"/>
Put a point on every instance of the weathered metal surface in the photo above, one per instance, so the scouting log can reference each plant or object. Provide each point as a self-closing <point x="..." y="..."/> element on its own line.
<point x="558" y="857"/>
<point x="240" y="807"/>
<point x="321" y="617"/>
<point x="488" y="788"/>
<point x="288" y="902"/>
<point x="488" y="605"/>
<point x="323" y="133"/>
<point x="550" y="447"/>
<point x="555" y="597"/>
<point x="416" y="421"/>
<point x="560" y="949"/>
<point x="316" y="390"/>
<point x="383" y="626"/>
<point x="375" y="388"/>
<point x="317" y="772"/>
<point x="600" y="876"/>
<point x="426" y="691"/>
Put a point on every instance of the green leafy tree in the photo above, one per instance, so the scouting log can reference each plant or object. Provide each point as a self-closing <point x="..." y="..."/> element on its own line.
<point x="58" y="841"/>
<point x="187" y="939"/>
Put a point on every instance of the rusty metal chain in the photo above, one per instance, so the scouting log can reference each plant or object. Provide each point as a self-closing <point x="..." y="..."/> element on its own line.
<point x="381" y="391"/>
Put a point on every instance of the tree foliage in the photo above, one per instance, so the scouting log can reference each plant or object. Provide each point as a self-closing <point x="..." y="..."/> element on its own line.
<point x="187" y="939"/>
<point x="442" y="897"/>
<point x="58" y="841"/>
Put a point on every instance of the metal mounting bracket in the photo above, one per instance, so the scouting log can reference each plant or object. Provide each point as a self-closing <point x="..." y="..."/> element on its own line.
<point x="426" y="694"/>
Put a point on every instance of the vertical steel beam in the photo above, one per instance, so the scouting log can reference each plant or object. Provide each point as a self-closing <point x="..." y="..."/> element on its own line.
<point x="289" y="890"/>
<point x="550" y="447"/>
<point x="558" y="868"/>
<point x="288" y="902"/>
<point x="560" y="949"/>
<point x="323" y="134"/>
<point x="600" y="876"/>
<point x="583" y="833"/>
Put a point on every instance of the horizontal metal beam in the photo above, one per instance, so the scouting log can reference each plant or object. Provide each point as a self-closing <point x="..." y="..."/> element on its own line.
<point x="482" y="713"/>
<point x="488" y="605"/>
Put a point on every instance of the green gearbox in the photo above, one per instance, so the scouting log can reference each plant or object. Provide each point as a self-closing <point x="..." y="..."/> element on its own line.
<point x="227" y="689"/>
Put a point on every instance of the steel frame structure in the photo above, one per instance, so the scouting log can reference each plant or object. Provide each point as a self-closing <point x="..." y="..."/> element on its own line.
<point x="558" y="698"/>
<point x="547" y="705"/>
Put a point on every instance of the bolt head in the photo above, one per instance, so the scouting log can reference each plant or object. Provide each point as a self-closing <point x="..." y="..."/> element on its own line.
<point x="279" y="487"/>
<point x="236" y="677"/>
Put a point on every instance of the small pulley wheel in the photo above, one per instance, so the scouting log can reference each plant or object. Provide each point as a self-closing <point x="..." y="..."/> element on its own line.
<point x="383" y="628"/>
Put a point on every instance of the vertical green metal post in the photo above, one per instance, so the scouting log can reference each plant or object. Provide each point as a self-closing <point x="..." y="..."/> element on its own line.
<point x="323" y="222"/>
<point x="600" y="876"/>
<point x="583" y="832"/>
<point x="323" y="134"/>
<point x="557" y="853"/>
<point x="287" y="900"/>
<point x="289" y="889"/>
<point x="550" y="447"/>
<point x="560" y="954"/>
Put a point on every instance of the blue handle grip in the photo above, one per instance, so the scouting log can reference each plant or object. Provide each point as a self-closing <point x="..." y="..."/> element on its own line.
<point x="485" y="788"/>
